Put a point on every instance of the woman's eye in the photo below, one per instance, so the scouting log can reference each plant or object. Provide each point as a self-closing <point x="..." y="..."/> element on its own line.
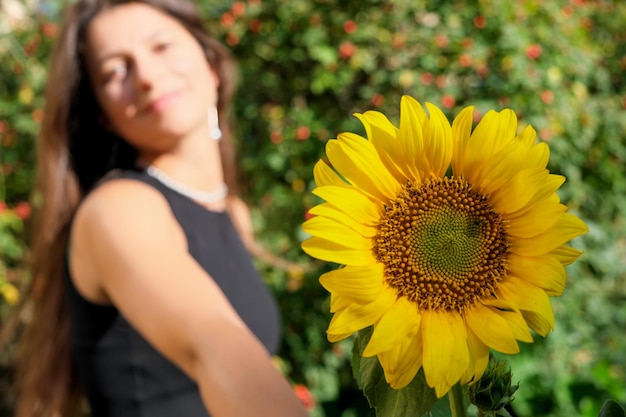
<point x="162" y="46"/>
<point x="118" y="72"/>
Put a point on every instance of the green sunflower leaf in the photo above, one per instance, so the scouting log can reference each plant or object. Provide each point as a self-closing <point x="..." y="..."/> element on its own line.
<point x="416" y="399"/>
<point x="612" y="409"/>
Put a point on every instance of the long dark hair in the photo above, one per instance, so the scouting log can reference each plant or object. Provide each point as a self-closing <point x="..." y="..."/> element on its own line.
<point x="75" y="152"/>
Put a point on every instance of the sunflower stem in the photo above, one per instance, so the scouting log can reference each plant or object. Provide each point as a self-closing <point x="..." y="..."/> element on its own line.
<point x="457" y="403"/>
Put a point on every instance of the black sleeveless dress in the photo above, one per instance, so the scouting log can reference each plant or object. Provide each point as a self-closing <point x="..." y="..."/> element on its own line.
<point x="121" y="373"/>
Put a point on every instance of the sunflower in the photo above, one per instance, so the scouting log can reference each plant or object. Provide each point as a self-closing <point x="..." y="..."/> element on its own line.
<point x="450" y="240"/>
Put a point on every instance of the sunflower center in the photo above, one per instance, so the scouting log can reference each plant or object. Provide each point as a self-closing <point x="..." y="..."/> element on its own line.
<point x="442" y="244"/>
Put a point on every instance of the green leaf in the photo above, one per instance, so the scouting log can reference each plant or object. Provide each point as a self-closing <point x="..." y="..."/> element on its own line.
<point x="612" y="409"/>
<point x="356" y="361"/>
<point x="415" y="399"/>
<point x="325" y="54"/>
<point x="441" y="408"/>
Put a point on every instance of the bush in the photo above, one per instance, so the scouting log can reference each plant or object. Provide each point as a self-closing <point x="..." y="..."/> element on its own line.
<point x="307" y="65"/>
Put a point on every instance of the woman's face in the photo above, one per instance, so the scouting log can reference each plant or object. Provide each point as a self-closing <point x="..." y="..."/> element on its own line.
<point x="150" y="76"/>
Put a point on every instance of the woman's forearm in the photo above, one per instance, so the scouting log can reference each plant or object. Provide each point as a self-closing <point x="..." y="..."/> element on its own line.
<point x="237" y="379"/>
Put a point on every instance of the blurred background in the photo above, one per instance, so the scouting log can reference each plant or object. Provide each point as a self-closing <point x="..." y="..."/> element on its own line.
<point x="305" y="66"/>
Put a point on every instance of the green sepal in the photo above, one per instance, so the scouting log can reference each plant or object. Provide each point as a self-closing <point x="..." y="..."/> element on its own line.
<point x="494" y="389"/>
<point x="416" y="399"/>
<point x="612" y="409"/>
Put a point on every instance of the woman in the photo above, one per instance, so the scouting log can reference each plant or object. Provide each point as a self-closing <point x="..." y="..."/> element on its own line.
<point x="144" y="295"/>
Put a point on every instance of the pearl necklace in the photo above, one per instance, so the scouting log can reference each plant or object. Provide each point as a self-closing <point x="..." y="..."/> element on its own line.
<point x="207" y="197"/>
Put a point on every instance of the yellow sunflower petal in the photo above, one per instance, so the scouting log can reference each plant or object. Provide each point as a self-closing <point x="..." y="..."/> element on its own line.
<point x="445" y="351"/>
<point x="336" y="232"/>
<point x="402" y="362"/>
<point x="518" y="325"/>
<point x="566" y="255"/>
<point x="536" y="220"/>
<point x="333" y="252"/>
<point x="357" y="160"/>
<point x="352" y="202"/>
<point x="437" y="141"/>
<point x="359" y="316"/>
<point x="331" y="212"/>
<point x="519" y="190"/>
<point x="554" y="198"/>
<point x="512" y="314"/>
<point x="479" y="358"/>
<point x="545" y="272"/>
<point x="565" y="229"/>
<point x="538" y="156"/>
<point x="491" y="329"/>
<point x="383" y="135"/>
<point x="546" y="192"/>
<point x="528" y="136"/>
<point x="339" y="302"/>
<point x="378" y="126"/>
<point x="497" y="172"/>
<point x="401" y="321"/>
<point x="500" y="304"/>
<point x="531" y="300"/>
<point x="361" y="283"/>
<point x="412" y="118"/>
<point x="334" y="338"/>
<point x="324" y="175"/>
<point x="461" y="131"/>
<point x="538" y="322"/>
<point x="494" y="131"/>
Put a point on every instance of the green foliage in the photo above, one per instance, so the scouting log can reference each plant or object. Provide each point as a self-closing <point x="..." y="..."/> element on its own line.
<point x="307" y="65"/>
<point x="11" y="251"/>
<point x="25" y="52"/>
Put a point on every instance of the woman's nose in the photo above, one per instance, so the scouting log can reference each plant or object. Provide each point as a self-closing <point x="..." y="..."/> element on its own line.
<point x="147" y="71"/>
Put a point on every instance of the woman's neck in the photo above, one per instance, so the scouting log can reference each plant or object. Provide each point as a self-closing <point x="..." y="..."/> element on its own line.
<point x="195" y="162"/>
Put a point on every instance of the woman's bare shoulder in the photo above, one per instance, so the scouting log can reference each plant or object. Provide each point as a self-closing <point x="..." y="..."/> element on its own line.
<point x="118" y="220"/>
<point x="123" y="210"/>
<point x="116" y="195"/>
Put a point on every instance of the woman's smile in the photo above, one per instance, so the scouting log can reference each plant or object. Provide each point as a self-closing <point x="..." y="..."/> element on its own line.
<point x="161" y="103"/>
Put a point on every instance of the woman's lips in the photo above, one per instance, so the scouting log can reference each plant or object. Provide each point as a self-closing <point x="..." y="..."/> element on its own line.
<point x="161" y="103"/>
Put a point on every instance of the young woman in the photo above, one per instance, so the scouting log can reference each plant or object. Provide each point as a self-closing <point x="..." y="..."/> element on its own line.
<point x="145" y="298"/>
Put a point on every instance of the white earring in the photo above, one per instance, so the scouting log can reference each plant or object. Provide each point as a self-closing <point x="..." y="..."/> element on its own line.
<point x="214" y="124"/>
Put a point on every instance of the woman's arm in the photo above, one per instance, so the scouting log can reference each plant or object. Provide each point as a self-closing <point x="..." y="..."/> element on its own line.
<point x="128" y="248"/>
